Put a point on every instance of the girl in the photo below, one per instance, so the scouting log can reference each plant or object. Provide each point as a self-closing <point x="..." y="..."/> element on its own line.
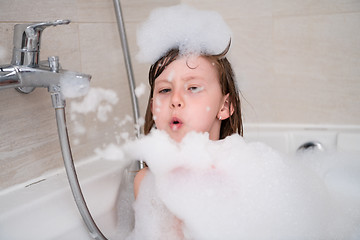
<point x="192" y="93"/>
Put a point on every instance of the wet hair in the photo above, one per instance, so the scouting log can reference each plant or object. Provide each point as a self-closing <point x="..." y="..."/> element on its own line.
<point x="229" y="126"/>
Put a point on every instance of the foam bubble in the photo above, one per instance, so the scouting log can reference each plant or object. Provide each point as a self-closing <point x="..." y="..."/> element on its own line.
<point x="171" y="76"/>
<point x="97" y="100"/>
<point x="110" y="152"/>
<point x="230" y="189"/>
<point x="140" y="90"/>
<point x="157" y="102"/>
<point x="126" y="120"/>
<point x="72" y="87"/>
<point x="181" y="26"/>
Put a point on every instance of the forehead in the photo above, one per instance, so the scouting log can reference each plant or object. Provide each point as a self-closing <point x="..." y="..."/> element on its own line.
<point x="190" y="66"/>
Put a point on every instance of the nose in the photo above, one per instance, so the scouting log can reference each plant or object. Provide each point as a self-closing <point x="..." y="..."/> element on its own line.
<point x="177" y="100"/>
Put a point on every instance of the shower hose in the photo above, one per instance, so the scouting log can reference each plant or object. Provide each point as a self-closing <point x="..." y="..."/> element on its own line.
<point x="72" y="176"/>
<point x="59" y="106"/>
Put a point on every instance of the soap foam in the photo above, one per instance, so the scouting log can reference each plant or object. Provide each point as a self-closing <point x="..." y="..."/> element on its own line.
<point x="73" y="87"/>
<point x="230" y="189"/>
<point x="98" y="100"/>
<point x="140" y="90"/>
<point x="181" y="26"/>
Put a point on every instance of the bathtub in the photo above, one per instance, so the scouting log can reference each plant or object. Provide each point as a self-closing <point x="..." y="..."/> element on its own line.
<point x="43" y="208"/>
<point x="288" y="138"/>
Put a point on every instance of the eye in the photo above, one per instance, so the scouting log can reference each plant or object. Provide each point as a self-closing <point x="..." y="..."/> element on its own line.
<point x="165" y="90"/>
<point x="195" y="89"/>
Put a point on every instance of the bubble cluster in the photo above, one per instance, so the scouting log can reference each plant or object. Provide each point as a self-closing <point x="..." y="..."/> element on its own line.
<point x="181" y="26"/>
<point x="230" y="189"/>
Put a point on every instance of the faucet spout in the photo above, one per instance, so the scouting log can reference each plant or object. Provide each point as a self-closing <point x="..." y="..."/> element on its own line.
<point x="9" y="77"/>
<point x="13" y="76"/>
<point x="41" y="77"/>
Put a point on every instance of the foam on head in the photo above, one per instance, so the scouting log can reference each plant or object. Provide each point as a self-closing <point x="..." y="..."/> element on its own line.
<point x="191" y="30"/>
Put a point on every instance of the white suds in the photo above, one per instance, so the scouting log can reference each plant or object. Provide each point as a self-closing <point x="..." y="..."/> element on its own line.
<point x="171" y="76"/>
<point x="97" y="100"/>
<point x="181" y="26"/>
<point x="230" y="189"/>
<point x="72" y="86"/>
<point x="157" y="102"/>
<point x="140" y="90"/>
<point x="111" y="152"/>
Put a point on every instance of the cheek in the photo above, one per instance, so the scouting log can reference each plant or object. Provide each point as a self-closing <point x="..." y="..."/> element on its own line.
<point x="156" y="105"/>
<point x="157" y="102"/>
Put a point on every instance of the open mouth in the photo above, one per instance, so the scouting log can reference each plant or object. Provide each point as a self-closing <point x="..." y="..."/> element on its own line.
<point x="175" y="123"/>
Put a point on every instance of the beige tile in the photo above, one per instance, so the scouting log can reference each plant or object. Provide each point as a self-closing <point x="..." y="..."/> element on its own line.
<point x="96" y="11"/>
<point x="62" y="41"/>
<point x="314" y="101"/>
<point x="234" y="9"/>
<point x="39" y="10"/>
<point x="101" y="53"/>
<point x="101" y="56"/>
<point x="251" y="51"/>
<point x="29" y="143"/>
<point x="141" y="71"/>
<point x="319" y="56"/>
<point x="321" y="45"/>
<point x="6" y="43"/>
<point x="314" y="7"/>
<point x="139" y="10"/>
<point x="251" y="57"/>
<point x="104" y="11"/>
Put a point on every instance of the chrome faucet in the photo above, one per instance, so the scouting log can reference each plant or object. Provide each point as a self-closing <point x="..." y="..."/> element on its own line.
<point x="26" y="72"/>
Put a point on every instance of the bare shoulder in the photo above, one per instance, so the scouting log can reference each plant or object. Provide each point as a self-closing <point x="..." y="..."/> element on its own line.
<point x="138" y="179"/>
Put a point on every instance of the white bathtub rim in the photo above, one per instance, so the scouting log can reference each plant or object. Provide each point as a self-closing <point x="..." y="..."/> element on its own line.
<point x="56" y="178"/>
<point x="300" y="127"/>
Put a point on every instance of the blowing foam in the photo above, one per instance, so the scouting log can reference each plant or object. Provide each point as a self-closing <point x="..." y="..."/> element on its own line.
<point x="181" y="26"/>
<point x="97" y="100"/>
<point x="230" y="189"/>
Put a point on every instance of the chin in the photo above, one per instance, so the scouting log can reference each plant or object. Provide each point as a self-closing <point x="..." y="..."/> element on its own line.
<point x="176" y="137"/>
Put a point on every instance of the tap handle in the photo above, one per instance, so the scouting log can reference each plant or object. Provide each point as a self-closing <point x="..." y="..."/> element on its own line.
<point x="42" y="25"/>
<point x="27" y="41"/>
<point x="30" y="34"/>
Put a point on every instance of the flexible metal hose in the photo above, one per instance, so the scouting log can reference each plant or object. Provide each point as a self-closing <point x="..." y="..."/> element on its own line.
<point x="72" y="176"/>
<point x="59" y="106"/>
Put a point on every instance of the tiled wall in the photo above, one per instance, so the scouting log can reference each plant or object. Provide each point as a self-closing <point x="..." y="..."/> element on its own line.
<point x="296" y="61"/>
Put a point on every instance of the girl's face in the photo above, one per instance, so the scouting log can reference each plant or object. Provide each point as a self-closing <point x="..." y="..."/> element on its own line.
<point x="187" y="97"/>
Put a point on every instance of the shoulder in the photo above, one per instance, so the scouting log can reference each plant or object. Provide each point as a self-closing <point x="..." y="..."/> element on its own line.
<point x="138" y="179"/>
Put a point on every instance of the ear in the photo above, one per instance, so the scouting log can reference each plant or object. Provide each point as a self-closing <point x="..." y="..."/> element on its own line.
<point x="226" y="110"/>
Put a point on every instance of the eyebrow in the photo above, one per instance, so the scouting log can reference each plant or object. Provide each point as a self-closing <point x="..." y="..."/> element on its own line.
<point x="162" y="80"/>
<point x="186" y="79"/>
<point x="197" y="77"/>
